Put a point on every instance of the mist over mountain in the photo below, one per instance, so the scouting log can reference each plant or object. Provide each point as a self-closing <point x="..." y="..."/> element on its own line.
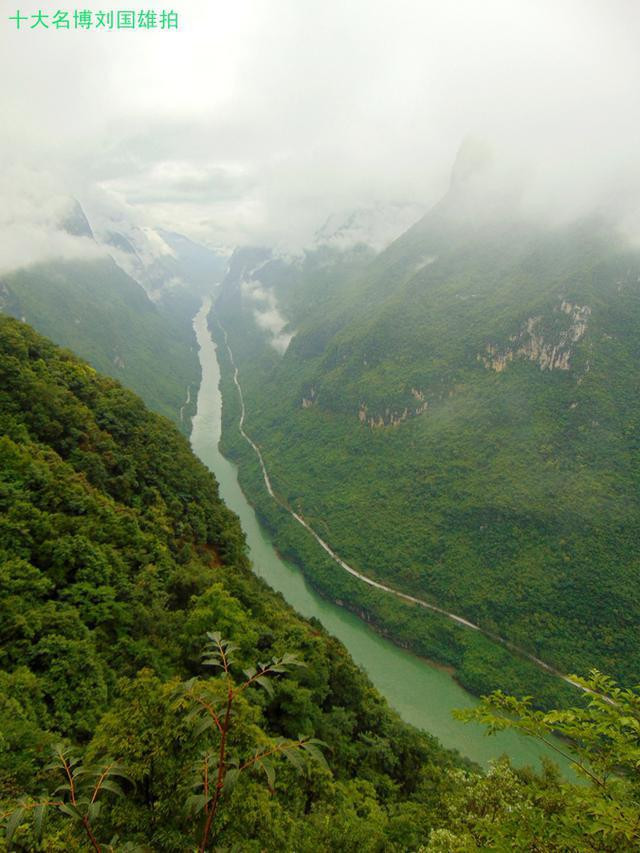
<point x="380" y="264"/>
<point x="123" y="299"/>
<point x="267" y="121"/>
<point x="465" y="400"/>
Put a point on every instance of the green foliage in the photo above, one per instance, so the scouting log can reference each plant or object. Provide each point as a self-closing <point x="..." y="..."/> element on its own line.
<point x="512" y="499"/>
<point x="97" y="310"/>
<point x="79" y="797"/>
<point x="215" y="710"/>
<point x="603" y="740"/>
<point x="481" y="664"/>
<point x="116" y="557"/>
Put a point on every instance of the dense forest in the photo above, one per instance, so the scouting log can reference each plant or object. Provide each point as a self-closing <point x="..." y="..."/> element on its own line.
<point x="117" y="558"/>
<point x="120" y="568"/>
<point x="458" y="418"/>
<point x="320" y="427"/>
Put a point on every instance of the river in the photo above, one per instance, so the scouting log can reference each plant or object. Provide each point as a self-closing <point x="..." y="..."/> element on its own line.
<point x="424" y="695"/>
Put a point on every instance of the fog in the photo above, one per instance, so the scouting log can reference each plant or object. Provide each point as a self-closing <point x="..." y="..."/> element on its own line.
<point x="259" y="119"/>
<point x="267" y="315"/>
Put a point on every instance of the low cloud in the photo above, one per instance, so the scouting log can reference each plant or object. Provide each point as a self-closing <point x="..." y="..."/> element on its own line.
<point x="256" y="121"/>
<point x="32" y="216"/>
<point x="267" y="315"/>
<point x="29" y="244"/>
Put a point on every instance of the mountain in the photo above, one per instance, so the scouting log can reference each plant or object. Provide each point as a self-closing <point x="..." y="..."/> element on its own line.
<point x="375" y="226"/>
<point x="94" y="307"/>
<point x="135" y="329"/>
<point x="457" y="418"/>
<point x="74" y="221"/>
<point x="119" y="565"/>
<point x="174" y="271"/>
<point x="275" y="292"/>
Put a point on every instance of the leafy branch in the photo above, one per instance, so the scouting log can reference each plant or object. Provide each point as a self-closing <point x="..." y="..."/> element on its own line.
<point x="78" y="797"/>
<point x="218" y="769"/>
<point x="603" y="745"/>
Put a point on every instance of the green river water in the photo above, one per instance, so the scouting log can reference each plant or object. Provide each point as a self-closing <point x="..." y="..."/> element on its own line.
<point x="421" y="693"/>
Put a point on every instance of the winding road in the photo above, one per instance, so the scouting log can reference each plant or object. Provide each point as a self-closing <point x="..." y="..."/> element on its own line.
<point x="454" y="617"/>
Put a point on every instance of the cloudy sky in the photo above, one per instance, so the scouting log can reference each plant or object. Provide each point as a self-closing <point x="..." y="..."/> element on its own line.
<point x="258" y="118"/>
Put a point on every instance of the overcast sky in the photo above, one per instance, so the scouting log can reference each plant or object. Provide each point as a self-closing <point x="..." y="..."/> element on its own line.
<point x="258" y="118"/>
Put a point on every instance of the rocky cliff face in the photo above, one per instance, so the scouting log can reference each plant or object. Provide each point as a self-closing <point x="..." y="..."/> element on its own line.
<point x="550" y="350"/>
<point x="393" y="417"/>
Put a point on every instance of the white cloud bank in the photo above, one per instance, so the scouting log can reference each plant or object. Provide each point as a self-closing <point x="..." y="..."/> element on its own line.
<point x="32" y="211"/>
<point x="267" y="315"/>
<point x="258" y="119"/>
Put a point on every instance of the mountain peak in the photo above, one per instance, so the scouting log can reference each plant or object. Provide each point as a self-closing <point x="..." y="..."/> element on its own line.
<point x="474" y="158"/>
<point x="75" y="221"/>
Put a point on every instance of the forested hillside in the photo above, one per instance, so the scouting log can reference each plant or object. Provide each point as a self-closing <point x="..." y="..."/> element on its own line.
<point x="119" y="566"/>
<point x="99" y="311"/>
<point x="123" y="297"/>
<point x="117" y="557"/>
<point x="459" y="419"/>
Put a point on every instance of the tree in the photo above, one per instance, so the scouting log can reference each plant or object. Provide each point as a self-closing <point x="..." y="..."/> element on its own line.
<point x="214" y="711"/>
<point x="603" y="742"/>
<point x="79" y="797"/>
